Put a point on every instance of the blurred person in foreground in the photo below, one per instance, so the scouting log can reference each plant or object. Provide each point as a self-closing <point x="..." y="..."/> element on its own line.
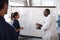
<point x="7" y="32"/>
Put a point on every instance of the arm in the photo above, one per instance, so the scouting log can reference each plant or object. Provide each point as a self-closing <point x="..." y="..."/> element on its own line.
<point x="38" y="26"/>
<point x="19" y="29"/>
<point x="16" y="25"/>
<point x="46" y="26"/>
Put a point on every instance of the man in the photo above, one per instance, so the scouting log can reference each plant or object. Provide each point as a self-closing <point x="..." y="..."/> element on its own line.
<point x="49" y="31"/>
<point x="7" y="32"/>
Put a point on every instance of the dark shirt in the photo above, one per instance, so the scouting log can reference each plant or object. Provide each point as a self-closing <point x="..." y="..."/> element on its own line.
<point x="16" y="25"/>
<point x="7" y="32"/>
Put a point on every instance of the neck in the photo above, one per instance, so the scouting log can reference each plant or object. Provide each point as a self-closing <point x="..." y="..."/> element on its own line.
<point x="16" y="18"/>
<point x="1" y="13"/>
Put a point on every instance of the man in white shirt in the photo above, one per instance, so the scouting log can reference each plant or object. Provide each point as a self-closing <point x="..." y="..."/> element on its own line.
<point x="49" y="31"/>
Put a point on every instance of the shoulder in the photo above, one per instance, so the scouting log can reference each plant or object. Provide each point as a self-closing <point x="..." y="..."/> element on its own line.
<point x="5" y="26"/>
<point x="15" y="20"/>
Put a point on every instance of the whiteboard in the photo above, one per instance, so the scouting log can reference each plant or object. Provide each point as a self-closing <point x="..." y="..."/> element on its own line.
<point x="33" y="33"/>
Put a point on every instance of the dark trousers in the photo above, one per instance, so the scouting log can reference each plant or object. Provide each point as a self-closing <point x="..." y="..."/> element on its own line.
<point x="17" y="35"/>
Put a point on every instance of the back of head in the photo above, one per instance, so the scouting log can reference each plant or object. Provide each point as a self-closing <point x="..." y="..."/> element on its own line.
<point x="2" y="2"/>
<point x="15" y="14"/>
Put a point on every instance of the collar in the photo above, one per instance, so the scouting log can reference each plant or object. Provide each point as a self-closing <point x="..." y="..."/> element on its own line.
<point x="2" y="18"/>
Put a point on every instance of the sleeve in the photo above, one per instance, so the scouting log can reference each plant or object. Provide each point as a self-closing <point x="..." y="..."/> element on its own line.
<point x="47" y="25"/>
<point x="16" y="24"/>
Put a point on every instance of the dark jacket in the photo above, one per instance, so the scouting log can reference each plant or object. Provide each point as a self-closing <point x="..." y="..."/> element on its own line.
<point x="7" y="32"/>
<point x="16" y="25"/>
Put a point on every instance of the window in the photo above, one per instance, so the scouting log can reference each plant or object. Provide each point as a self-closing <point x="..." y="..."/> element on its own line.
<point x="16" y="3"/>
<point x="43" y="3"/>
<point x="36" y="2"/>
<point x="48" y="3"/>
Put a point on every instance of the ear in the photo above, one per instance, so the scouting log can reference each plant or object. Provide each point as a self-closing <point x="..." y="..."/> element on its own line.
<point x="5" y="6"/>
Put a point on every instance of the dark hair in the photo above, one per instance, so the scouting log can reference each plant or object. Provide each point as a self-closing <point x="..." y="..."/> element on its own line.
<point x="48" y="10"/>
<point x="12" y="16"/>
<point x="2" y="2"/>
<point x="15" y="14"/>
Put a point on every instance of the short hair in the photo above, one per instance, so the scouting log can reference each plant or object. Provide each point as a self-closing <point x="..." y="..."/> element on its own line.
<point x="15" y="14"/>
<point x="48" y="10"/>
<point x="2" y="2"/>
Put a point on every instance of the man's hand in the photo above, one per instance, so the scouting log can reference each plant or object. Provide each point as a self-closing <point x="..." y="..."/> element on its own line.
<point x="38" y="26"/>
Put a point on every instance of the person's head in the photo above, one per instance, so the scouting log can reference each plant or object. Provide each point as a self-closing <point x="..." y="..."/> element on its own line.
<point x="3" y="7"/>
<point x="46" y="12"/>
<point x="12" y="16"/>
<point x="16" y="15"/>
